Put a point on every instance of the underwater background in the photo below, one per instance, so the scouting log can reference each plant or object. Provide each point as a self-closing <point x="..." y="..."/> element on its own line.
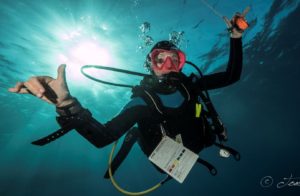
<point x="261" y="111"/>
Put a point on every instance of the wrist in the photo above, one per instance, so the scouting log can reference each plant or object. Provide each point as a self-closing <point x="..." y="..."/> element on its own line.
<point x="235" y="36"/>
<point x="68" y="107"/>
<point x="66" y="101"/>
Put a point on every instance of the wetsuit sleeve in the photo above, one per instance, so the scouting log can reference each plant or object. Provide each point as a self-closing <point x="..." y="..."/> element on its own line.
<point x="100" y="134"/>
<point x="232" y="73"/>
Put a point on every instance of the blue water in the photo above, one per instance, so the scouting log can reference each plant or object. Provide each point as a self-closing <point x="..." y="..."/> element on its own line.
<point x="261" y="111"/>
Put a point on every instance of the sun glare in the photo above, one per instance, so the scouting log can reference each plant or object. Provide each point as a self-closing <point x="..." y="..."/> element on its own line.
<point x="82" y="53"/>
<point x="90" y="53"/>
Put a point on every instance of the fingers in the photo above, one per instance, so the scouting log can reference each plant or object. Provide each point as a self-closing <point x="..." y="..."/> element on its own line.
<point x="227" y="21"/>
<point x="44" y="87"/>
<point x="61" y="73"/>
<point x="32" y="86"/>
<point x="247" y="9"/>
<point x="35" y="85"/>
<point x="19" y="88"/>
<point x="244" y="13"/>
<point x="238" y="24"/>
<point x="35" y="91"/>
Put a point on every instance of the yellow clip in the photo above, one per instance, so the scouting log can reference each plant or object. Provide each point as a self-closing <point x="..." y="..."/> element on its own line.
<point x="198" y="109"/>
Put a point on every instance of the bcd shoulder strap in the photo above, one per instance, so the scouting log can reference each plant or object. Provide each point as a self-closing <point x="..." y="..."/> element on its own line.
<point x="152" y="100"/>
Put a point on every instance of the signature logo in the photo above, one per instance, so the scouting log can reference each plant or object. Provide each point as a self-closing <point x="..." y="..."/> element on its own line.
<point x="291" y="181"/>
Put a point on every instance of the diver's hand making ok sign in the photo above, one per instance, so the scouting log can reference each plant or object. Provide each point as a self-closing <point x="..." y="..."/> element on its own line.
<point x="237" y="24"/>
<point x="53" y="91"/>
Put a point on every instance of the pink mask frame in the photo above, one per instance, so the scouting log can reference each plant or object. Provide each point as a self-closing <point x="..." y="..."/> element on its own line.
<point x="168" y="64"/>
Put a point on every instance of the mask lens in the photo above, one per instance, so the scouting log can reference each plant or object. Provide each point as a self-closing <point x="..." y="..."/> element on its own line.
<point x="159" y="61"/>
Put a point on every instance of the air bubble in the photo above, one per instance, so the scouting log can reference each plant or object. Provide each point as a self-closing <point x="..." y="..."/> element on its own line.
<point x="176" y="37"/>
<point x="145" y="27"/>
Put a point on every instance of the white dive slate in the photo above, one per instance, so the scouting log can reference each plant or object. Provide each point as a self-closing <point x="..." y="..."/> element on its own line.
<point x="173" y="158"/>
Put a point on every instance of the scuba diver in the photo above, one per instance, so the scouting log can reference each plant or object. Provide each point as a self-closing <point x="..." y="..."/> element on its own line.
<point x="166" y="102"/>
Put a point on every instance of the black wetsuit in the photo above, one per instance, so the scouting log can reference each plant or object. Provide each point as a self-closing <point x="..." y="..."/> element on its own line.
<point x="149" y="121"/>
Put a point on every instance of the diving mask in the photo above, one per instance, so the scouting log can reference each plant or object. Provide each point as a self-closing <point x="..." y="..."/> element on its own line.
<point x="164" y="61"/>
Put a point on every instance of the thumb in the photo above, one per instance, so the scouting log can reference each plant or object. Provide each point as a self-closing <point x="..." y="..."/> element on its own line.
<point x="247" y="9"/>
<point x="227" y="21"/>
<point x="61" y="73"/>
